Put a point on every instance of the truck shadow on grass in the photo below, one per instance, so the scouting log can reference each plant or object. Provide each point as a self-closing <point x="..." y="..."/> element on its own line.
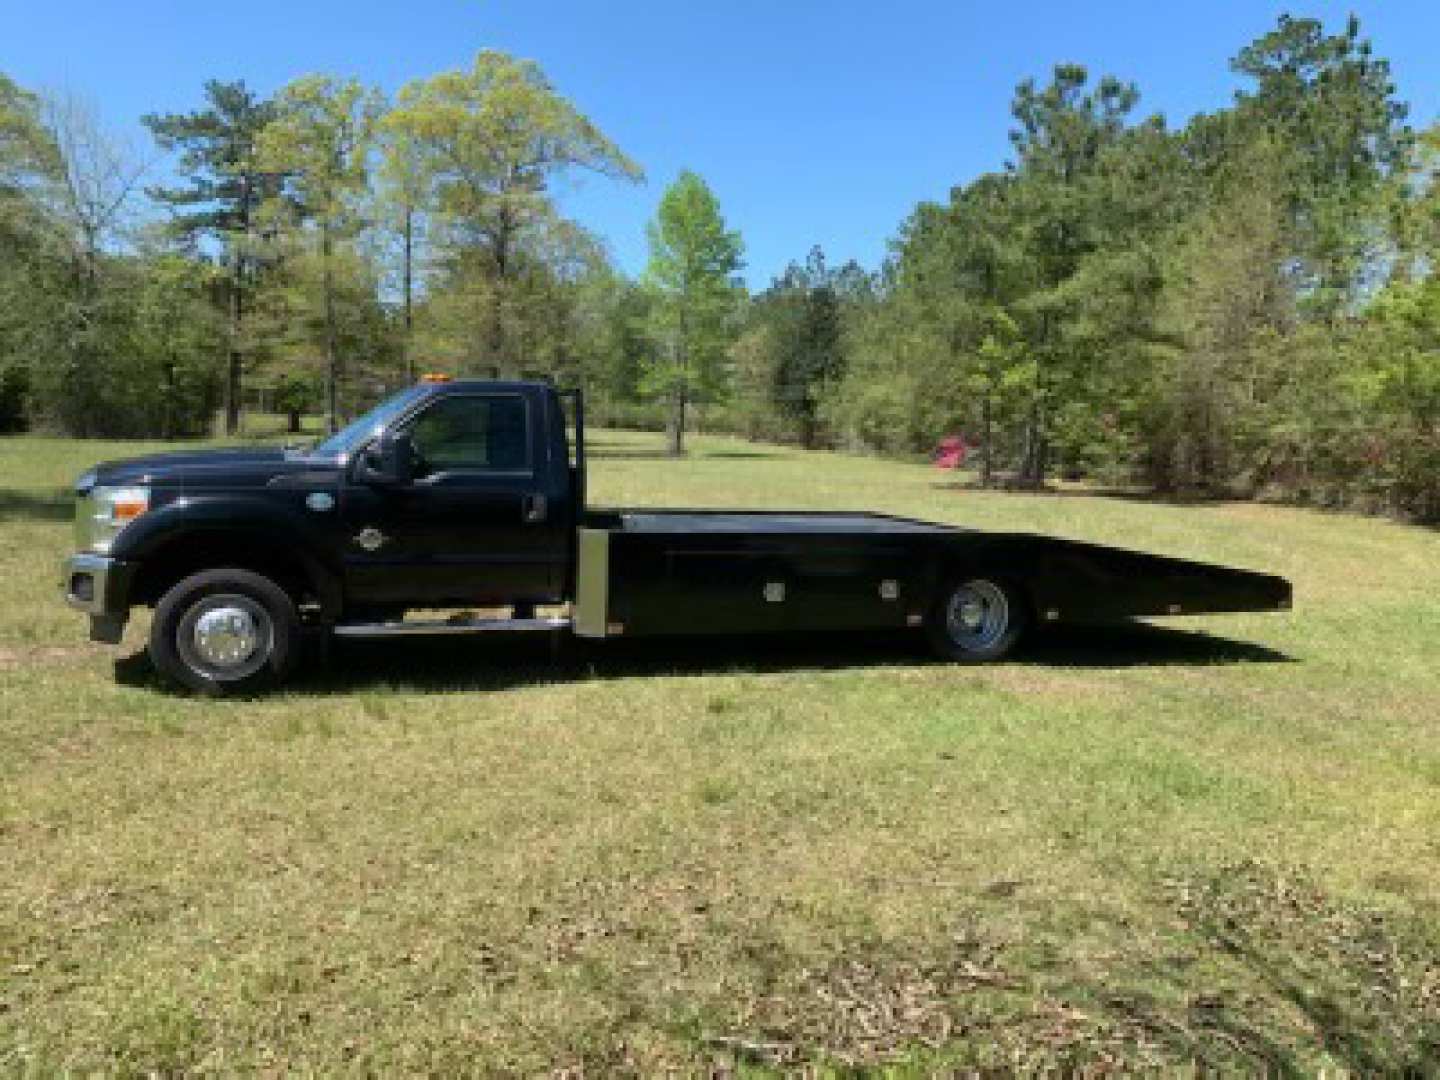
<point x="504" y="662"/>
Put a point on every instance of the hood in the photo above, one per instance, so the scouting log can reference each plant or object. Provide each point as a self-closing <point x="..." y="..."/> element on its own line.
<point x="243" y="467"/>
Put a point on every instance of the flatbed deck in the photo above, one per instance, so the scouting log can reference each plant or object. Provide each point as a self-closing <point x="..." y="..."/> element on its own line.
<point x="684" y="571"/>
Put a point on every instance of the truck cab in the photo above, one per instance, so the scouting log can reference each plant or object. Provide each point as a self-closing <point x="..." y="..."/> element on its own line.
<point x="448" y="494"/>
<point x="466" y="497"/>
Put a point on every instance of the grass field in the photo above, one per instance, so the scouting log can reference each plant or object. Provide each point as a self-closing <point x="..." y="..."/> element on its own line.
<point x="1212" y="843"/>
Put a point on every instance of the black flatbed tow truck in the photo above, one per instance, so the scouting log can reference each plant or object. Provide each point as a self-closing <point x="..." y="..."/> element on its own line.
<point x="464" y="495"/>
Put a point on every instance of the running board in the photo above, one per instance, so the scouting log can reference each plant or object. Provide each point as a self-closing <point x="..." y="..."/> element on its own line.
<point x="448" y="626"/>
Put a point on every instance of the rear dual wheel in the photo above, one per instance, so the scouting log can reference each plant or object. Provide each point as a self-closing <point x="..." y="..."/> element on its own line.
<point x="976" y="620"/>
<point x="225" y="632"/>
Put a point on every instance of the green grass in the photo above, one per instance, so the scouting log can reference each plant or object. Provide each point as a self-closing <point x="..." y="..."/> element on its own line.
<point x="1217" y="843"/>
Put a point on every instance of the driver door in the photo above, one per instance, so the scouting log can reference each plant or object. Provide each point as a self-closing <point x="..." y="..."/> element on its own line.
<point x="475" y="525"/>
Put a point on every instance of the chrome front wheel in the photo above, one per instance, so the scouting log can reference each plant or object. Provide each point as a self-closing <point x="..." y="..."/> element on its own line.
<point x="224" y="632"/>
<point x="226" y="636"/>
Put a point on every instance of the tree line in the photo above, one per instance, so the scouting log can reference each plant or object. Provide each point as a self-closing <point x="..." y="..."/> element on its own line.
<point x="1242" y="305"/>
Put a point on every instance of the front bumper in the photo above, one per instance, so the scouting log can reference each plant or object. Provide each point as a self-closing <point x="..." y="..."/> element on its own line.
<point x="99" y="586"/>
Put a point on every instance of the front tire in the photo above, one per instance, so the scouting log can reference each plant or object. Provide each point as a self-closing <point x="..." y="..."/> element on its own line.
<point x="225" y="632"/>
<point x="976" y="620"/>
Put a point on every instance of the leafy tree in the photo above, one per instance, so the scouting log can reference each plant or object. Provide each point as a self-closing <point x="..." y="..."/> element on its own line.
<point x="753" y="360"/>
<point x="1415" y="213"/>
<point x="541" y="315"/>
<point x="292" y="322"/>
<point x="1331" y="104"/>
<point x="1228" y="297"/>
<point x="296" y="393"/>
<point x="406" y="201"/>
<point x="962" y="275"/>
<point x="321" y="138"/>
<point x="29" y="266"/>
<point x="159" y="339"/>
<point x="491" y="140"/>
<point x="175" y="343"/>
<point x="81" y="204"/>
<point x="1063" y="131"/>
<point x="1392" y="374"/>
<point x="693" y="262"/>
<point x="611" y="339"/>
<point x="808" y="337"/>
<point x="29" y="157"/>
<point x="226" y="186"/>
<point x="1019" y="310"/>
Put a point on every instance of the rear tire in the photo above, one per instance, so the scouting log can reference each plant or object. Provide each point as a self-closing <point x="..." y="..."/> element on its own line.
<point x="976" y="620"/>
<point x="225" y="632"/>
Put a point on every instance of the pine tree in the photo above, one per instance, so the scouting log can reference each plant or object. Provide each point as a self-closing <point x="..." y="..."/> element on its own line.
<point x="226" y="188"/>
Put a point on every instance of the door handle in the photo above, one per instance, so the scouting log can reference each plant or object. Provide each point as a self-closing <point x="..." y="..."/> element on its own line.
<point x="533" y="507"/>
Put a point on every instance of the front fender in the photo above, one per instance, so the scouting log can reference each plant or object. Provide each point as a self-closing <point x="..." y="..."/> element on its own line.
<point x="236" y="516"/>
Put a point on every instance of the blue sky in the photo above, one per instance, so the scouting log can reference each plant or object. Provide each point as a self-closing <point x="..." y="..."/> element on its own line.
<point x="814" y="122"/>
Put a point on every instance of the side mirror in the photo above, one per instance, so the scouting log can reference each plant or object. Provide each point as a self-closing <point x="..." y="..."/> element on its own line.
<point x="387" y="462"/>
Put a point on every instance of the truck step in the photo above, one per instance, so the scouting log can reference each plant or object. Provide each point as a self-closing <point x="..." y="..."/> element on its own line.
<point x="448" y="626"/>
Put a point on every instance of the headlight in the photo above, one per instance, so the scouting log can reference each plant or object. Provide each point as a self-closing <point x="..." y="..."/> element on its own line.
<point x="107" y="510"/>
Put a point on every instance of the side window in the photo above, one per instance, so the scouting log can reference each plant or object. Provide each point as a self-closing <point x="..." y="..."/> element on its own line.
<point x="473" y="432"/>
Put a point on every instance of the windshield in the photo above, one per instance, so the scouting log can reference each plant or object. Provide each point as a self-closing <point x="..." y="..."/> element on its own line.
<point x="348" y="439"/>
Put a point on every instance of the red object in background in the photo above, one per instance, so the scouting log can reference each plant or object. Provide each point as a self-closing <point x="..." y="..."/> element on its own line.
<point x="950" y="454"/>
